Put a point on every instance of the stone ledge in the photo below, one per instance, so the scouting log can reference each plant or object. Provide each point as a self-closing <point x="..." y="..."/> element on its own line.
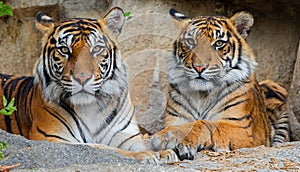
<point x="46" y="156"/>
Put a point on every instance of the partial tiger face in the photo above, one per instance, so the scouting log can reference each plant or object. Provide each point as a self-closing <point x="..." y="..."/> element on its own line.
<point x="212" y="50"/>
<point x="79" y="55"/>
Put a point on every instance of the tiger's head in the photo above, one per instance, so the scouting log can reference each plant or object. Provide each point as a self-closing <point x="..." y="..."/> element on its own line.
<point x="80" y="59"/>
<point x="212" y="51"/>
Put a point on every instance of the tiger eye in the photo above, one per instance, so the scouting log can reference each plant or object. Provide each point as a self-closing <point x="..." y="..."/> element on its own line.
<point x="190" y="41"/>
<point x="219" y="43"/>
<point x="96" y="49"/>
<point x="64" y="50"/>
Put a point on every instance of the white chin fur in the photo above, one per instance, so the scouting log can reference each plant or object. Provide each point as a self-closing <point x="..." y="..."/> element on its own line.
<point x="200" y="85"/>
<point x="82" y="98"/>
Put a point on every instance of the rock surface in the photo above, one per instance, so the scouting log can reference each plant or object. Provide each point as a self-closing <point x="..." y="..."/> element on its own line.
<point x="294" y="100"/>
<point x="46" y="156"/>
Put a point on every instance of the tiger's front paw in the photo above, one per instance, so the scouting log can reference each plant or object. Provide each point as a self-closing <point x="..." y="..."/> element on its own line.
<point x="176" y="138"/>
<point x="169" y="141"/>
<point x="165" y="139"/>
<point x="185" y="151"/>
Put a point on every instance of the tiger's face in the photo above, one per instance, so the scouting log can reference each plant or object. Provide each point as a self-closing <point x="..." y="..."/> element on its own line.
<point x="79" y="56"/>
<point x="212" y="50"/>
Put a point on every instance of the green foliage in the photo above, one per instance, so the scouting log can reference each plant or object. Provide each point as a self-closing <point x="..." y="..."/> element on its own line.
<point x="127" y="14"/>
<point x="2" y="146"/>
<point x="8" y="108"/>
<point x="5" y="9"/>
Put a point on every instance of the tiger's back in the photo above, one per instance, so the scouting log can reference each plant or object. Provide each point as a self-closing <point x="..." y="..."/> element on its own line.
<point x="275" y="98"/>
<point x="19" y="88"/>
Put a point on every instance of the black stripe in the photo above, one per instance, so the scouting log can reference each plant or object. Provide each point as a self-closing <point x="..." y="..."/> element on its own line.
<point x="235" y="104"/>
<point x="109" y="120"/>
<point x="200" y="22"/>
<point x="57" y="116"/>
<point x="239" y="119"/>
<point x="45" y="74"/>
<point x="9" y="88"/>
<point x="73" y="115"/>
<point x="221" y="95"/>
<point x="281" y="134"/>
<point x="174" y="113"/>
<point x="8" y="123"/>
<point x="239" y="50"/>
<point x="50" y="135"/>
<point x="174" y="87"/>
<point x="65" y="25"/>
<point x="31" y="90"/>
<point x="111" y="116"/>
<point x="79" y="24"/>
<point x="171" y="113"/>
<point x="282" y="128"/>
<point x="247" y="126"/>
<point x="238" y="96"/>
<point x="115" y="109"/>
<point x="215" y="24"/>
<point x="21" y="102"/>
<point x="129" y="138"/>
<point x="272" y="94"/>
<point x="124" y="127"/>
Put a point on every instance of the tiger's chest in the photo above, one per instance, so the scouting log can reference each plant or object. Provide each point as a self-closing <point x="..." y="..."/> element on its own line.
<point x="218" y="106"/>
<point x="94" y="120"/>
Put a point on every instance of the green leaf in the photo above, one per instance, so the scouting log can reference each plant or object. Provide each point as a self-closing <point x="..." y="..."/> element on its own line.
<point x="11" y="106"/>
<point x="8" y="109"/>
<point x="5" y="9"/>
<point x="127" y="14"/>
<point x="2" y="146"/>
<point x="4" y="101"/>
<point x="4" y="112"/>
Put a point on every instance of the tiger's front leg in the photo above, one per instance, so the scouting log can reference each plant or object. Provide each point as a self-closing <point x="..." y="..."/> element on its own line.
<point x="187" y="139"/>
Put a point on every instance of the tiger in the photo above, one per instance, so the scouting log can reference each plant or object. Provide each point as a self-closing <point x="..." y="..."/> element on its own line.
<point x="78" y="93"/>
<point x="214" y="100"/>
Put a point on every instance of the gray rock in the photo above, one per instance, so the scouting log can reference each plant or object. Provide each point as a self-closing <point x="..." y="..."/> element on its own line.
<point x="46" y="156"/>
<point x="294" y="100"/>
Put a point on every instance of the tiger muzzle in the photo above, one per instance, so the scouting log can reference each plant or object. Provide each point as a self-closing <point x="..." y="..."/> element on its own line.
<point x="82" y="78"/>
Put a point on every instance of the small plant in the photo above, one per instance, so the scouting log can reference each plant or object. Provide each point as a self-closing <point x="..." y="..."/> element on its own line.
<point x="9" y="108"/>
<point x="5" y="9"/>
<point x="2" y="146"/>
<point x="127" y="14"/>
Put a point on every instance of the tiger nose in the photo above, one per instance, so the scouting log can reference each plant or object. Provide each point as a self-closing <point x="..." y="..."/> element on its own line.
<point x="200" y="69"/>
<point x="82" y="78"/>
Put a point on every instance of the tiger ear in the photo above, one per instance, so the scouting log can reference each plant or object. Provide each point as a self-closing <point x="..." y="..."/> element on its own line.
<point x="243" y="22"/>
<point x="181" y="20"/>
<point x="114" y="20"/>
<point x="44" y="22"/>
